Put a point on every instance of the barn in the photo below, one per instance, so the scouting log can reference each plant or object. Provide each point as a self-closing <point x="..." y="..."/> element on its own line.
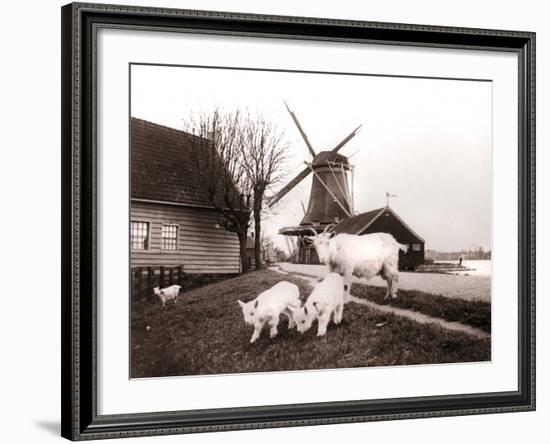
<point x="172" y="221"/>
<point x="387" y="221"/>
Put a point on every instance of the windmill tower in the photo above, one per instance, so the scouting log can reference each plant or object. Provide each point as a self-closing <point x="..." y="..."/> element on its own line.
<point x="331" y="197"/>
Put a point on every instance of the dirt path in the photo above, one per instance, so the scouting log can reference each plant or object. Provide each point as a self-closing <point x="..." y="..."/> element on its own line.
<point x="414" y="315"/>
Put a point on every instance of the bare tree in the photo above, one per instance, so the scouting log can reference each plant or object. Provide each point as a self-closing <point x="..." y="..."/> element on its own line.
<point x="217" y="153"/>
<point x="264" y="155"/>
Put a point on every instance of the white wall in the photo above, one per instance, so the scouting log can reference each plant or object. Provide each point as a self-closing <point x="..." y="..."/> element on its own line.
<point x="29" y="183"/>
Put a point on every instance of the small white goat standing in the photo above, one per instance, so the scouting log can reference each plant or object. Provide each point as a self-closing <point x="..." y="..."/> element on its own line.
<point x="365" y="256"/>
<point x="326" y="298"/>
<point x="167" y="294"/>
<point x="268" y="306"/>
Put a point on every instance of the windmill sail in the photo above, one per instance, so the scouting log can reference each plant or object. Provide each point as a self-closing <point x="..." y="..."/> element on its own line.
<point x="304" y="173"/>
<point x="346" y="139"/>
<point x="286" y="189"/>
<point x="302" y="132"/>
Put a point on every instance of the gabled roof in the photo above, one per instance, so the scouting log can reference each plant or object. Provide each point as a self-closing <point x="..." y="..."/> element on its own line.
<point x="359" y="223"/>
<point x="162" y="166"/>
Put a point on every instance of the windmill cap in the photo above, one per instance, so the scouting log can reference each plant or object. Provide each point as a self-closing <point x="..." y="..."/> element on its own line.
<point x="324" y="157"/>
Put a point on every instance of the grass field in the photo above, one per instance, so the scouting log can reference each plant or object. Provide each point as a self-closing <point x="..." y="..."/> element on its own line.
<point x="474" y="313"/>
<point x="204" y="334"/>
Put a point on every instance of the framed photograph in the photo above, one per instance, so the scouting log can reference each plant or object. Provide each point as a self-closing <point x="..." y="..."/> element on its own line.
<point x="278" y="221"/>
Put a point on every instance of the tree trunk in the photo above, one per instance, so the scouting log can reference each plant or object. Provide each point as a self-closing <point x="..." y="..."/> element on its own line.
<point x="259" y="190"/>
<point x="242" y="251"/>
<point x="257" y="241"/>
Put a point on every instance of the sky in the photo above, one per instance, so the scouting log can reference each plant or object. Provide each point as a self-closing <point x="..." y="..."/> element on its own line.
<point x="428" y="141"/>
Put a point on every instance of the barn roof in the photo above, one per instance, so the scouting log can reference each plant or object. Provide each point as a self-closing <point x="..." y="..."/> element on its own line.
<point x="359" y="223"/>
<point x="162" y="166"/>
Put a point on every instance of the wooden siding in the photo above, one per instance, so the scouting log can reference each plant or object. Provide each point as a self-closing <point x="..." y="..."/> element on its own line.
<point x="202" y="248"/>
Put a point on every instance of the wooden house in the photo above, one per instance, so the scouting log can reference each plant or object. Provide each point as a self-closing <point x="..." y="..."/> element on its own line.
<point x="387" y="221"/>
<point x="172" y="221"/>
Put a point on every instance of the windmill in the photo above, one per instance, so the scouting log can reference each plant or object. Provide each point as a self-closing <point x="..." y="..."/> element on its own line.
<point x="330" y="199"/>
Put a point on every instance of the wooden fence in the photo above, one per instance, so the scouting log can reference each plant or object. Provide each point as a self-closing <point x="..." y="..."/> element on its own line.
<point x="144" y="279"/>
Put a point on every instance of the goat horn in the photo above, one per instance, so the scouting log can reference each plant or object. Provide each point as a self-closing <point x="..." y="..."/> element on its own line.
<point x="314" y="230"/>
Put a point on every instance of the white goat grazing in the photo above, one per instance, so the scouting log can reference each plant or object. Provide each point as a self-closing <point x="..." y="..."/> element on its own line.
<point x="326" y="298"/>
<point x="167" y="294"/>
<point x="363" y="256"/>
<point x="268" y="306"/>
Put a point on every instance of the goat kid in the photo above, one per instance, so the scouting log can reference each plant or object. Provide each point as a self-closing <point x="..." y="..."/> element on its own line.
<point x="167" y="294"/>
<point x="268" y="306"/>
<point x="326" y="298"/>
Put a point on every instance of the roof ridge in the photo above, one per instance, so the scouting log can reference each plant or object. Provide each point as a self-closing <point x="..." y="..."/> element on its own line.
<point x="406" y="226"/>
<point x="378" y="213"/>
<point x="351" y="223"/>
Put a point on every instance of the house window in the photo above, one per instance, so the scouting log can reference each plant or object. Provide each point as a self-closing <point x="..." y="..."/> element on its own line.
<point x="417" y="247"/>
<point x="139" y="235"/>
<point x="169" y="237"/>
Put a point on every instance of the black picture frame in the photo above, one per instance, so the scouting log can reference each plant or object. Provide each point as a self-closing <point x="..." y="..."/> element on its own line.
<point x="79" y="397"/>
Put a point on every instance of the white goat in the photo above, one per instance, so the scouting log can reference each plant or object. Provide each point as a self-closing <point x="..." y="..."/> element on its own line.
<point x="326" y="298"/>
<point x="167" y="294"/>
<point x="268" y="306"/>
<point x="363" y="256"/>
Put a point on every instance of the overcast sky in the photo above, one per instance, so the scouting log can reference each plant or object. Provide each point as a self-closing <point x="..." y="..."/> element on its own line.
<point x="426" y="140"/>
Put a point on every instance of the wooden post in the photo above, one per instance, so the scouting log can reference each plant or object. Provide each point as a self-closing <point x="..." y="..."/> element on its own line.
<point x="133" y="283"/>
<point x="161" y="278"/>
<point x="180" y="275"/>
<point x="149" y="282"/>
<point x="139" y="295"/>
<point x="139" y="283"/>
<point x="135" y="291"/>
<point x="171" y="276"/>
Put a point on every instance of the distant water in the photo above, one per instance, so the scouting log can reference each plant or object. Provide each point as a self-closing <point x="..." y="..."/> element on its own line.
<point x="479" y="268"/>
